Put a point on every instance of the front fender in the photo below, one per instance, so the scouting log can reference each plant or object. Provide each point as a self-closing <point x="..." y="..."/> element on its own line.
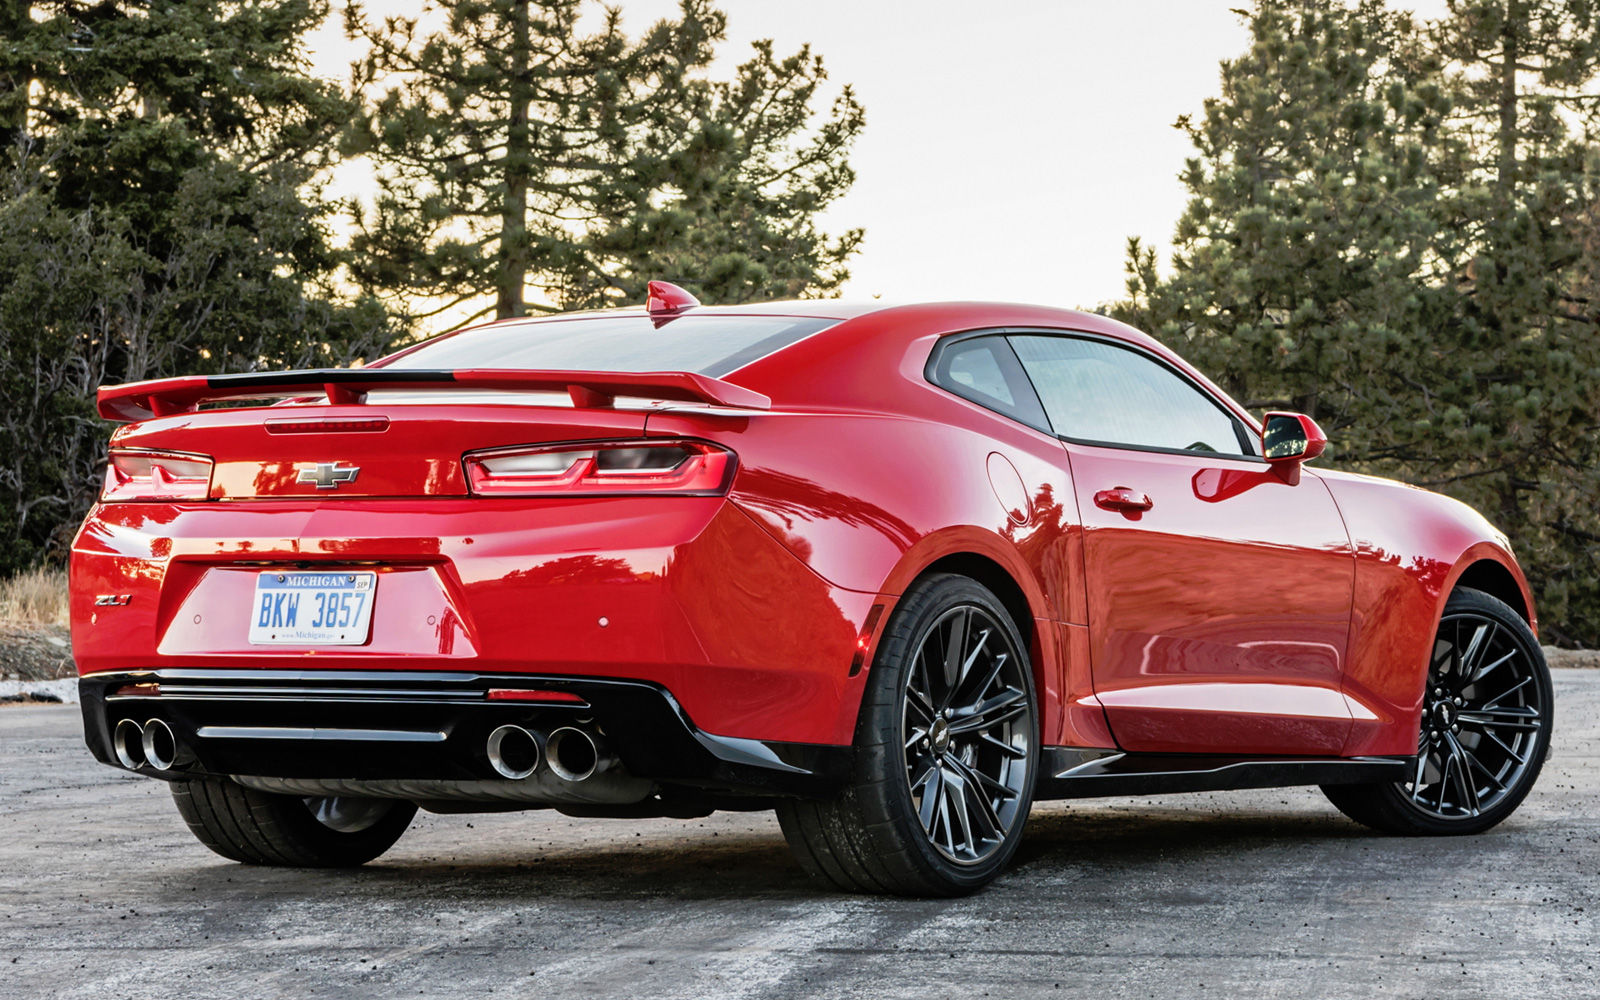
<point x="1412" y="547"/>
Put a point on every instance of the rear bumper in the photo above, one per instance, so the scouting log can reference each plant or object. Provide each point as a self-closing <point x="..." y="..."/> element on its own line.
<point x="684" y="593"/>
<point x="428" y="726"/>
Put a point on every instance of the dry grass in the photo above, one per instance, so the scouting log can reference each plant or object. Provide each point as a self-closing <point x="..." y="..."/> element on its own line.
<point x="35" y="597"/>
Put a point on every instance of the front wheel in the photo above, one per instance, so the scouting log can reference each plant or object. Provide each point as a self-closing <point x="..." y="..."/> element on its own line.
<point x="946" y="751"/>
<point x="263" y="828"/>
<point x="1486" y="717"/>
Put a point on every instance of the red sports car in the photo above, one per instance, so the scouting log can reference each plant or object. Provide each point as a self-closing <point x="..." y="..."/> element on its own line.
<point x="896" y="573"/>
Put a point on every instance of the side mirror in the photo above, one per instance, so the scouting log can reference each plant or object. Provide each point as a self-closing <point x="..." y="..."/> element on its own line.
<point x="1289" y="439"/>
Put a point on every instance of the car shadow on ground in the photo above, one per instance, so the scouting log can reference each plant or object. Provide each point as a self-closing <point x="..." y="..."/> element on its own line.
<point x="1127" y="845"/>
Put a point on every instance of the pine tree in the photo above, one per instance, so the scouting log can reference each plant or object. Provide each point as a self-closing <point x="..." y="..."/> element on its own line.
<point x="1300" y="259"/>
<point x="1387" y="230"/>
<point x="523" y="150"/>
<point x="1521" y="397"/>
<point x="159" y="215"/>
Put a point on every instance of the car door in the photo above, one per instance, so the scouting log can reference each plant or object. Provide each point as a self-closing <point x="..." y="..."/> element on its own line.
<point x="1218" y="593"/>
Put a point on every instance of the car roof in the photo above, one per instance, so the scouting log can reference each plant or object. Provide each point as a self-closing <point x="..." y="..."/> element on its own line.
<point x="869" y="338"/>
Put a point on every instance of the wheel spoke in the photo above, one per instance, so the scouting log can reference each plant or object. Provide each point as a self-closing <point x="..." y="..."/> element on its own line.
<point x="1489" y="734"/>
<point x="1003" y="707"/>
<point x="1416" y="780"/>
<point x="953" y="649"/>
<point x="1005" y="748"/>
<point x="917" y="702"/>
<point x="996" y="665"/>
<point x="930" y="785"/>
<point x="917" y="699"/>
<point x="972" y="787"/>
<point x="993" y="784"/>
<point x="1442" y="656"/>
<point x="1476" y="646"/>
<point x="959" y="799"/>
<point x="1445" y="760"/>
<point x="1464" y="779"/>
<point x="1473" y="761"/>
<point x="944" y="814"/>
<point x="966" y="668"/>
<point x="1502" y="696"/>
<point x="1500" y="718"/>
<point x="1481" y="674"/>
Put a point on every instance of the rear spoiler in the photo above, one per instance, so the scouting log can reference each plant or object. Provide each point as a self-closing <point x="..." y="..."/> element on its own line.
<point x="168" y="396"/>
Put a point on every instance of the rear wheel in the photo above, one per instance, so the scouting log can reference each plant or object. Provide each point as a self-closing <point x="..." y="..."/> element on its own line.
<point x="946" y="750"/>
<point x="262" y="828"/>
<point x="1485" y="729"/>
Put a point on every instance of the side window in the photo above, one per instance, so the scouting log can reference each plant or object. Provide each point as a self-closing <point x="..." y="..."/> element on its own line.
<point x="985" y="370"/>
<point x="1099" y="392"/>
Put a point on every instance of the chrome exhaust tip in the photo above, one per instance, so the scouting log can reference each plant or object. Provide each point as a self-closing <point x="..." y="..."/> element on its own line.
<point x="573" y="754"/>
<point x="162" y="751"/>
<point x="127" y="742"/>
<point x="513" y="752"/>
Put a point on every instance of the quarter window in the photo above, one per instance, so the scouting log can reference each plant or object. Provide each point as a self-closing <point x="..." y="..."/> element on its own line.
<point x="985" y="371"/>
<point x="1097" y="392"/>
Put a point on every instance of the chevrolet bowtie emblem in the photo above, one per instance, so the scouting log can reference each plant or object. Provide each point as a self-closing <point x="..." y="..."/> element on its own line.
<point x="328" y="475"/>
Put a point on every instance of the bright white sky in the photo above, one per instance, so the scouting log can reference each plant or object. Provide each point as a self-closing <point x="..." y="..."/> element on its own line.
<point x="1011" y="147"/>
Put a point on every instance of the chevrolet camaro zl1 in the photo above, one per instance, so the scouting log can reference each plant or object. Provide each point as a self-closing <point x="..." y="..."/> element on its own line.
<point x="896" y="573"/>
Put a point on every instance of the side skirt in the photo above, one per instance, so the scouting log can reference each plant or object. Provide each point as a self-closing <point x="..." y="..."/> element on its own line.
<point x="1072" y="773"/>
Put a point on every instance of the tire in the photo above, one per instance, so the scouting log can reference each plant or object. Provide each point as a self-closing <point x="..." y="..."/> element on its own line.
<point x="1487" y="713"/>
<point x="904" y="823"/>
<point x="260" y="828"/>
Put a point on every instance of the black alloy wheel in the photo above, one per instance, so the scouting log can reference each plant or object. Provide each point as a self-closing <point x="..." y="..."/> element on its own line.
<point x="966" y="728"/>
<point x="1486" y="720"/>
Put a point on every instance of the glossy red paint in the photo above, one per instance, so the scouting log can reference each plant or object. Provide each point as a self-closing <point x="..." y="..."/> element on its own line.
<point x="1197" y="594"/>
<point x="1171" y="602"/>
<point x="665" y="297"/>
<point x="1315" y="440"/>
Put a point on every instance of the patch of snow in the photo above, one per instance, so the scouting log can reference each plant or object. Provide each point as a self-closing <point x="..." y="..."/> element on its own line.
<point x="65" y="689"/>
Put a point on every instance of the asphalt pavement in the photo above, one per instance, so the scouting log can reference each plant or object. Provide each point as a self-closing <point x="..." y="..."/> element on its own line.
<point x="104" y="894"/>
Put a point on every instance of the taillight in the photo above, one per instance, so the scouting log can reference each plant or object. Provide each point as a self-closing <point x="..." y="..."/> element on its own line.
<point x="157" y="475"/>
<point x="667" y="467"/>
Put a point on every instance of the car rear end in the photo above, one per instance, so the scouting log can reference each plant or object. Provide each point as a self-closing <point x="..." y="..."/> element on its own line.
<point x="455" y="582"/>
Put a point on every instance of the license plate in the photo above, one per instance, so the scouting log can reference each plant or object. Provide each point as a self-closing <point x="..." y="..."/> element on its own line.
<point x="313" y="609"/>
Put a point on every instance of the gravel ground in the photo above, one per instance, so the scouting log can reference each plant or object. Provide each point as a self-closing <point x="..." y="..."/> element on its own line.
<point x="1241" y="894"/>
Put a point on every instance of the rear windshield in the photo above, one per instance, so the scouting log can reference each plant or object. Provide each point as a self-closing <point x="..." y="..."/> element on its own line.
<point x="708" y="345"/>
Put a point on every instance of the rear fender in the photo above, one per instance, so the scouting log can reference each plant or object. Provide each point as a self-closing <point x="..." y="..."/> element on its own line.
<point x="1068" y="712"/>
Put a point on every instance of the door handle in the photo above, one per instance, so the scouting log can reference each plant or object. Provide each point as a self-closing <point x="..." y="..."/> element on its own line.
<point x="1123" y="499"/>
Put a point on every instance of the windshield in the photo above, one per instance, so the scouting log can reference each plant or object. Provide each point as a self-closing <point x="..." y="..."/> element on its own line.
<point x="707" y="345"/>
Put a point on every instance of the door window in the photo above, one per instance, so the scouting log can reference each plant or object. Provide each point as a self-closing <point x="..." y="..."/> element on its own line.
<point x="1102" y="394"/>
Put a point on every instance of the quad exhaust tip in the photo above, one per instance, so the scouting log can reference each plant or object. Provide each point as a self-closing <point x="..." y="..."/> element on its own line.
<point x="128" y="744"/>
<point x="513" y="752"/>
<point x="153" y="745"/>
<point x="160" y="745"/>
<point x="573" y="754"/>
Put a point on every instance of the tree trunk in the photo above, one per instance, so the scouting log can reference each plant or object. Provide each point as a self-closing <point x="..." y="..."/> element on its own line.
<point x="1510" y="52"/>
<point x="1505" y="191"/>
<point x="513" y="275"/>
